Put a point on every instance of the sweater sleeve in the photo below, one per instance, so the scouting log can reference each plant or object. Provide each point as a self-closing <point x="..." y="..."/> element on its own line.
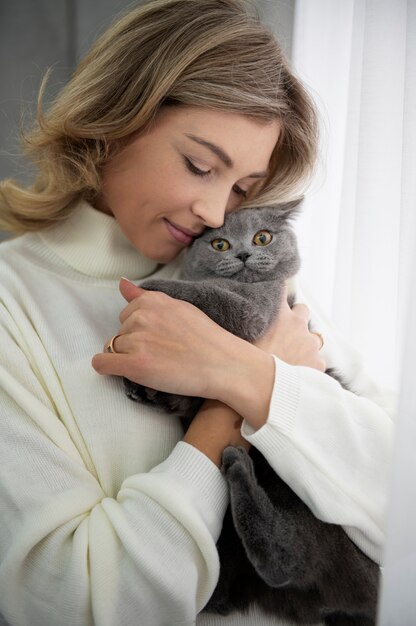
<point x="69" y="554"/>
<point x="333" y="447"/>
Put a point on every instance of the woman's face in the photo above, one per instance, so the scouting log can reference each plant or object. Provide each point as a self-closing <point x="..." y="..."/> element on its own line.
<point x="182" y="174"/>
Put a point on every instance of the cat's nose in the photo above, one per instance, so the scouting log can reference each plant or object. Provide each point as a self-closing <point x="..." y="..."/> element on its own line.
<point x="243" y="256"/>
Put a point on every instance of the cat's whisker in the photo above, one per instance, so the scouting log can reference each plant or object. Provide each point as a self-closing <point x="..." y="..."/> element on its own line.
<point x="227" y="267"/>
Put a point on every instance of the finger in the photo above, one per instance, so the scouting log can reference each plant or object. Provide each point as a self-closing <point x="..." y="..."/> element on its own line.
<point x="111" y="364"/>
<point x="319" y="339"/>
<point x="113" y="345"/>
<point x="131" y="293"/>
<point x="129" y="290"/>
<point x="321" y="365"/>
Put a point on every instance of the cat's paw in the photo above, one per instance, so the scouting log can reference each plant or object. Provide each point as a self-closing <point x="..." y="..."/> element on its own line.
<point x="134" y="391"/>
<point x="139" y="393"/>
<point x="254" y="324"/>
<point x="236" y="463"/>
<point x="218" y="604"/>
<point x="231" y="455"/>
<point x="168" y="287"/>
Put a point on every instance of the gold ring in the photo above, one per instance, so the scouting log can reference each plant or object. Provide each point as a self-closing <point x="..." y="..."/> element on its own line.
<point x="320" y="337"/>
<point x="110" y="348"/>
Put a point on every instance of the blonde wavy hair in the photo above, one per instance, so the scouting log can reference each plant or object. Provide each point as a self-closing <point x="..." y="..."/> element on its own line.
<point x="206" y="53"/>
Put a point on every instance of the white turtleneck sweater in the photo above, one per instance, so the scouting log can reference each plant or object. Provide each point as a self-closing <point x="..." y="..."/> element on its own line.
<point x="107" y="517"/>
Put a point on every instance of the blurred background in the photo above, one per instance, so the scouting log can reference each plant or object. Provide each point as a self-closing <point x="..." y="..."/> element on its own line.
<point x="357" y="231"/>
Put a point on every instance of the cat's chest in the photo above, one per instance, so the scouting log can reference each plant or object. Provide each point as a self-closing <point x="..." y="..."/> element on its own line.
<point x="254" y="292"/>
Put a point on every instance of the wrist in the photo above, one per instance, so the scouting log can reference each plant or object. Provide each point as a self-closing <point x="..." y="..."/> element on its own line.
<point x="249" y="385"/>
<point x="215" y="427"/>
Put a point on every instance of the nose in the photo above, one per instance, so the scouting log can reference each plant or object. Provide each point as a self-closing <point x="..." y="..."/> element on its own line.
<point x="211" y="213"/>
<point x="243" y="256"/>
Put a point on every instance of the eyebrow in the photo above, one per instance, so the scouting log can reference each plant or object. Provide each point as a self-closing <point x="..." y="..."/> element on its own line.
<point x="219" y="152"/>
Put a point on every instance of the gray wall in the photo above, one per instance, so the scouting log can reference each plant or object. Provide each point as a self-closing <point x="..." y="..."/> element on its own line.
<point x="45" y="33"/>
<point x="279" y="15"/>
<point x="33" y="37"/>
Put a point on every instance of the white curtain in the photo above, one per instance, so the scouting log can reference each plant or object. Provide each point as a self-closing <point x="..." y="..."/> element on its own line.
<point x="358" y="59"/>
<point x="358" y="231"/>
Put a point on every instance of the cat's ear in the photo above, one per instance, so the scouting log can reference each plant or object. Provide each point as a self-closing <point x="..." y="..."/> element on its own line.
<point x="289" y="210"/>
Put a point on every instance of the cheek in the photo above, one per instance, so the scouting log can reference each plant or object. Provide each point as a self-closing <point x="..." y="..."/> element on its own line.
<point x="120" y="191"/>
<point x="234" y="201"/>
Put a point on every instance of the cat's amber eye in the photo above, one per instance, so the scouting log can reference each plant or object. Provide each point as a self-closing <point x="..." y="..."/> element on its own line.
<point x="262" y="238"/>
<point x="220" y="244"/>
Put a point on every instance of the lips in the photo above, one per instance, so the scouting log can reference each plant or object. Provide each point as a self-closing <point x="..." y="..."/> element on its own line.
<point x="183" y="235"/>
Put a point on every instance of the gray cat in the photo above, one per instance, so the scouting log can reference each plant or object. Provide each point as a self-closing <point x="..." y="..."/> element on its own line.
<point x="273" y="551"/>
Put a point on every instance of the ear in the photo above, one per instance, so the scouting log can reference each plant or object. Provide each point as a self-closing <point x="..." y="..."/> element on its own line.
<point x="290" y="210"/>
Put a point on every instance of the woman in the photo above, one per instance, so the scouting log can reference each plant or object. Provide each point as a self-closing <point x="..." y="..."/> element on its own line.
<point x="183" y="111"/>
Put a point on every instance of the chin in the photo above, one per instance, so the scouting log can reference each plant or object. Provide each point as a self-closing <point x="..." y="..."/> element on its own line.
<point x="162" y="257"/>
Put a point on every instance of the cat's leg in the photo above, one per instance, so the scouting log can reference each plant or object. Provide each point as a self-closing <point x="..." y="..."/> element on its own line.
<point x="268" y="534"/>
<point x="170" y="287"/>
<point x="233" y="311"/>
<point x="201" y="294"/>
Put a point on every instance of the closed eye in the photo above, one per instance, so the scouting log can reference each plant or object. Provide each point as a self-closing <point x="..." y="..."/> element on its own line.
<point x="195" y="170"/>
<point x="239" y="191"/>
<point x="206" y="173"/>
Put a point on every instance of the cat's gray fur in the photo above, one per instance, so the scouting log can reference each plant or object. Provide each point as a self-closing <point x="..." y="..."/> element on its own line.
<point x="273" y="551"/>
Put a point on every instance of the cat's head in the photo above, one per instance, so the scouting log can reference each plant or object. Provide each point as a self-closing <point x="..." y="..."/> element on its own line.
<point x="250" y="246"/>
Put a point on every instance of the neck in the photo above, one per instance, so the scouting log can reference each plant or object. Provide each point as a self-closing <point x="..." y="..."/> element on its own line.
<point x="92" y="243"/>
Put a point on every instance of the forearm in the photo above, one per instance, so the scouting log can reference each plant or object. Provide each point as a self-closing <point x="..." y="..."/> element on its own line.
<point x="215" y="427"/>
<point x="246" y="384"/>
<point x="333" y="448"/>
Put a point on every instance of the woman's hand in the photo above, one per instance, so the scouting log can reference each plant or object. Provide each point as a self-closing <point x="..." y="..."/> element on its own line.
<point x="172" y="346"/>
<point x="290" y="338"/>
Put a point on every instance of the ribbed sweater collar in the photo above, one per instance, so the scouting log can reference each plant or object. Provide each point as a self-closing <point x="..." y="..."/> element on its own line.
<point x="92" y="243"/>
